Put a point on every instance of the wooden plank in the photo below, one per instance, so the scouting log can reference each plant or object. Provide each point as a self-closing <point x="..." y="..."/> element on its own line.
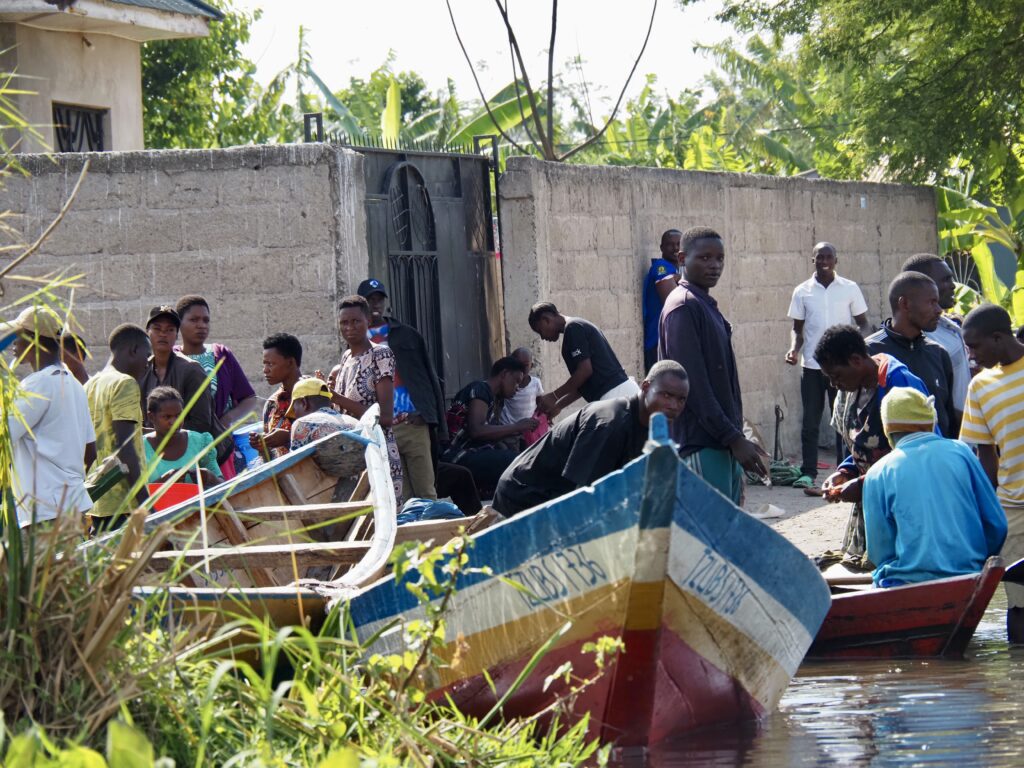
<point x="362" y="489"/>
<point x="308" y="513"/>
<point x="267" y="555"/>
<point x="438" y="530"/>
<point x="292" y="490"/>
<point x="235" y="532"/>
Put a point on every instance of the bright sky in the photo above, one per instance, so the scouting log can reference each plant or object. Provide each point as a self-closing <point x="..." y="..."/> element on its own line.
<point x="348" y="39"/>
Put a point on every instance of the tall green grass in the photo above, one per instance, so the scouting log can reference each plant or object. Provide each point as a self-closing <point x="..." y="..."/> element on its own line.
<point x="93" y="675"/>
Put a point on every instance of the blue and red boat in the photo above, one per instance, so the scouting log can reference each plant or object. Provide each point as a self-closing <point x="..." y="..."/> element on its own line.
<point x="715" y="609"/>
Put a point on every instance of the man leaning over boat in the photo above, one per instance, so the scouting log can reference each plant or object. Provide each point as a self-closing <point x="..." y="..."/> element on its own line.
<point x="598" y="439"/>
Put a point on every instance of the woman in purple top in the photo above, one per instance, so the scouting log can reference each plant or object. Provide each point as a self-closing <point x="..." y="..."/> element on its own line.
<point x="233" y="396"/>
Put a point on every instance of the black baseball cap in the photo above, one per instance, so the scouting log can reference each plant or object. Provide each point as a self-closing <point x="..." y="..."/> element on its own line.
<point x="163" y="311"/>
<point x="371" y="286"/>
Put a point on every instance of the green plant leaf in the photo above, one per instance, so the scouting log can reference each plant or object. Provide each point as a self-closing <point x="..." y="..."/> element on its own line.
<point x="506" y="116"/>
<point x="346" y="120"/>
<point x="391" y="117"/>
<point x="127" y="747"/>
<point x="992" y="288"/>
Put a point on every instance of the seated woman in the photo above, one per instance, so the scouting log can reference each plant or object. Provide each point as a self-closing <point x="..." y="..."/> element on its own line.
<point x="479" y="442"/>
<point x="929" y="509"/>
<point x="181" y="447"/>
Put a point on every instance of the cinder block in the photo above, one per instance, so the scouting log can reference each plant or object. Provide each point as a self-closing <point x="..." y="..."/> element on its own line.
<point x="221" y="227"/>
<point x="179" y="190"/>
<point x="108" y="190"/>
<point x="150" y="231"/>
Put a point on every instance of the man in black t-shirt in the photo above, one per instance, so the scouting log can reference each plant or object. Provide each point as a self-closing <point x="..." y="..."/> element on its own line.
<point x="598" y="439"/>
<point x="594" y="371"/>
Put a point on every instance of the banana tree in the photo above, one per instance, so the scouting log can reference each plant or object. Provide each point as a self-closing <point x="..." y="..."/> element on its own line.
<point x="974" y="226"/>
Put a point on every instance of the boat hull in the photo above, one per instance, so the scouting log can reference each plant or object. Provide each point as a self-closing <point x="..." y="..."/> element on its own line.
<point x="930" y="619"/>
<point x="714" y="609"/>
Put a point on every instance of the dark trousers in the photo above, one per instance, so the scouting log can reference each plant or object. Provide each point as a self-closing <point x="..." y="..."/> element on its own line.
<point x="814" y="392"/>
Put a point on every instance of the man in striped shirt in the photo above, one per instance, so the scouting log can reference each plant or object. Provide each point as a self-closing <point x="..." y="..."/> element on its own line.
<point x="994" y="422"/>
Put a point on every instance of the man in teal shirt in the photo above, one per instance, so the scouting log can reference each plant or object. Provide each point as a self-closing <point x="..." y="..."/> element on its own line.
<point x="929" y="509"/>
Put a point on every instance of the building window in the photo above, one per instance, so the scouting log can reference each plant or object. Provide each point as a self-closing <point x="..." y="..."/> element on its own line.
<point x="79" y="129"/>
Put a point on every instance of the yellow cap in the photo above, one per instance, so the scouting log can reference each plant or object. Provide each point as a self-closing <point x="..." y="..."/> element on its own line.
<point x="309" y="387"/>
<point x="34" y="320"/>
<point x="907" y="410"/>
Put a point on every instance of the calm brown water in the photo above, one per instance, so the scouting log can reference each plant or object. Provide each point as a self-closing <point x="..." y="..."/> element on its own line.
<point x="905" y="713"/>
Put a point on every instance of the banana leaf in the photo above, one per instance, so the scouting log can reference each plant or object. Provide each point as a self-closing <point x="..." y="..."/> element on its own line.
<point x="391" y="117"/>
<point x="346" y="120"/>
<point x="506" y="116"/>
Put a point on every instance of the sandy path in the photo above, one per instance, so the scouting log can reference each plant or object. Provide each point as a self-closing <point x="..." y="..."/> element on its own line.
<point x="809" y="523"/>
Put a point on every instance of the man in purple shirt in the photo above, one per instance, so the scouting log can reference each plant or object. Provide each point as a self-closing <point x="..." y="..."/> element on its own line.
<point x="694" y="333"/>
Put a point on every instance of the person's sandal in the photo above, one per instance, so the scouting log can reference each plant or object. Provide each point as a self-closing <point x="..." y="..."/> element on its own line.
<point x="804" y="481"/>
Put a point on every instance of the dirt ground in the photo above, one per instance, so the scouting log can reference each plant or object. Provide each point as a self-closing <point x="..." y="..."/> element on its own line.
<point x="810" y="523"/>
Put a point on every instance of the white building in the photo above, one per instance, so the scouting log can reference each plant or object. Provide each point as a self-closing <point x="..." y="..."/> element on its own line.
<point x="81" y="58"/>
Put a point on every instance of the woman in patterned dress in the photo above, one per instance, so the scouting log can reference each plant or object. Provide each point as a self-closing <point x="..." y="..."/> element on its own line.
<point x="366" y="376"/>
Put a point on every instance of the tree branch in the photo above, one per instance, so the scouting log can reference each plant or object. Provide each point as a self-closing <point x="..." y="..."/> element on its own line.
<point x="551" y="73"/>
<point x="515" y="84"/>
<point x="546" y="146"/>
<point x="479" y="89"/>
<point x="53" y="224"/>
<point x="622" y="93"/>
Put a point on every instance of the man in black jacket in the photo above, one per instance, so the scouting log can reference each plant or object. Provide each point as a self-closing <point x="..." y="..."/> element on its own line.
<point x="914" y="301"/>
<point x="419" y="399"/>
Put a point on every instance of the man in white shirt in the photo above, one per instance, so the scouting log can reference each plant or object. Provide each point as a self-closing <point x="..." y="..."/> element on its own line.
<point x="50" y="426"/>
<point x="824" y="300"/>
<point x="947" y="333"/>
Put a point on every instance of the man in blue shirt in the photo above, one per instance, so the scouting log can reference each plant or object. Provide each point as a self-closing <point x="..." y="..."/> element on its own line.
<point x="929" y="508"/>
<point x="661" y="279"/>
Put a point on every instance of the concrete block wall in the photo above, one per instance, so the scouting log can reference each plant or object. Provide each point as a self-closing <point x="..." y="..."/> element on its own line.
<point x="583" y="238"/>
<point x="272" y="236"/>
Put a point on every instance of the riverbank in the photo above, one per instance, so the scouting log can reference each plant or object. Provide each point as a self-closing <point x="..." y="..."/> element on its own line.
<point x="808" y="522"/>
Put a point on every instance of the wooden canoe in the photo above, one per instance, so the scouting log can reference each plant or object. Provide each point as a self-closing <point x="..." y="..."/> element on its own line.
<point x="715" y="609"/>
<point x="931" y="619"/>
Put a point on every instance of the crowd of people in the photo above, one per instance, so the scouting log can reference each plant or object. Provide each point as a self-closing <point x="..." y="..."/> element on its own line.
<point x="924" y="504"/>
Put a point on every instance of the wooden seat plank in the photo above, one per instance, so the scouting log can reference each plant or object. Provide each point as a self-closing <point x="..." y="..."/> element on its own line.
<point x="267" y="555"/>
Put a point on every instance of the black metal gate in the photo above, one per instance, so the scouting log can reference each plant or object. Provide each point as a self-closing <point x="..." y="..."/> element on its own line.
<point x="430" y="231"/>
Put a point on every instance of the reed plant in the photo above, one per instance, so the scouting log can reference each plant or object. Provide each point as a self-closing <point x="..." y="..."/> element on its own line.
<point x="94" y="673"/>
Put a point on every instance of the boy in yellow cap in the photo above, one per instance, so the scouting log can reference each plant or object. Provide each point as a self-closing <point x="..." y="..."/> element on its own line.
<point x="929" y="509"/>
<point x="313" y="415"/>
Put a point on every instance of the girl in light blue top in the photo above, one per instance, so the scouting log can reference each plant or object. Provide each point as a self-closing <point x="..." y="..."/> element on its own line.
<point x="183" y="447"/>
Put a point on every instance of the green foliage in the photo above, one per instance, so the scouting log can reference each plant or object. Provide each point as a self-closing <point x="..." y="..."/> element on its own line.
<point x="970" y="225"/>
<point x="918" y="82"/>
<point x="203" y="92"/>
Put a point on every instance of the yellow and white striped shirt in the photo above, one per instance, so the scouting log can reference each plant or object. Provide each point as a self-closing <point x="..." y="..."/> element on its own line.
<point x="994" y="415"/>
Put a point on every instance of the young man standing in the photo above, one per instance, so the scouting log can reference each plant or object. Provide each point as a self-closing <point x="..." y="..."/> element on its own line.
<point x="695" y="334"/>
<point x="914" y="301"/>
<point x="929" y="510"/>
<point x="661" y="279"/>
<point x="282" y="362"/>
<point x="992" y="421"/>
<point x="168" y="368"/>
<point x="947" y="333"/>
<point x="117" y="419"/>
<point x="823" y="300"/>
<point x="51" y="433"/>
<point x="599" y="438"/>
<point x="419" y="400"/>
<point x="595" y="373"/>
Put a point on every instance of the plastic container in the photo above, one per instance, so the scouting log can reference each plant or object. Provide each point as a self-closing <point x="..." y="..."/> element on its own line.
<point x="172" y="494"/>
<point x="241" y="437"/>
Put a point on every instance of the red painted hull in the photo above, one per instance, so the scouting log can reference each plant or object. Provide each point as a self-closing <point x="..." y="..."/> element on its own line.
<point x="658" y="688"/>
<point x="931" y="619"/>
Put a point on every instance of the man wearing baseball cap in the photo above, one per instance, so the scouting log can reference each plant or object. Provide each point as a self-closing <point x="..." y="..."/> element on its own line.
<point x="51" y="431"/>
<point x="929" y="509"/>
<point x="168" y="368"/>
<point x="419" y="399"/>
<point x="313" y="415"/>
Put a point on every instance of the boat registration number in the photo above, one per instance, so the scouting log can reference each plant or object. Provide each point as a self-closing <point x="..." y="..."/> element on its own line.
<point x="717" y="583"/>
<point x="557" y="576"/>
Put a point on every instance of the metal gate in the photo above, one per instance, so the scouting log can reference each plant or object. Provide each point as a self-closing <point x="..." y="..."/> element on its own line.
<point x="430" y="231"/>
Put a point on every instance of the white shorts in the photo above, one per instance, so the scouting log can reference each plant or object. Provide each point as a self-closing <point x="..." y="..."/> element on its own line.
<point x="628" y="388"/>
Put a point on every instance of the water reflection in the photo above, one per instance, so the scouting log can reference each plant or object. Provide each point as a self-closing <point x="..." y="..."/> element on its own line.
<point x="904" y="713"/>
